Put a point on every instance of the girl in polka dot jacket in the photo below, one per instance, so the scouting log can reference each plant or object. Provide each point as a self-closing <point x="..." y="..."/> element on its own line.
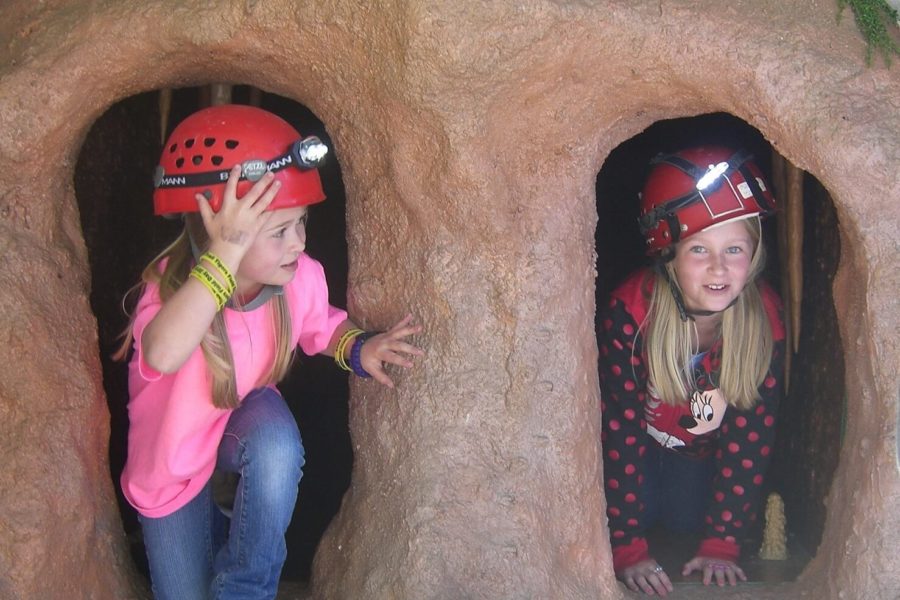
<point x="690" y="355"/>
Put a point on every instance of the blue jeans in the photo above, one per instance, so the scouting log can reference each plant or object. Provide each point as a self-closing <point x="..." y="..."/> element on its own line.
<point x="676" y="489"/>
<point x="194" y="553"/>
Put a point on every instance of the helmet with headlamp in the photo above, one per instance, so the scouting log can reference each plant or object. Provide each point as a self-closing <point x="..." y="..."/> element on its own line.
<point x="698" y="188"/>
<point x="203" y="148"/>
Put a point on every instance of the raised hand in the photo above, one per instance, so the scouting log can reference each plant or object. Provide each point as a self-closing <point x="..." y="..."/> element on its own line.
<point x="182" y="322"/>
<point x="232" y="230"/>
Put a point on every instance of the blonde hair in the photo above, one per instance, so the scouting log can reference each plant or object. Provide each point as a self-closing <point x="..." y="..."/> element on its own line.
<point x="215" y="345"/>
<point x="744" y="329"/>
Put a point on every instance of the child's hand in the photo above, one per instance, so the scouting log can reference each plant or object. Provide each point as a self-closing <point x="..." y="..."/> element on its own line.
<point x="389" y="347"/>
<point x="233" y="229"/>
<point x="724" y="571"/>
<point x="648" y="577"/>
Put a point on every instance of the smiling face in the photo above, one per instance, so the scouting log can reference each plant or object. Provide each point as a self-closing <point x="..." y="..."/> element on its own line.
<point x="272" y="258"/>
<point x="713" y="266"/>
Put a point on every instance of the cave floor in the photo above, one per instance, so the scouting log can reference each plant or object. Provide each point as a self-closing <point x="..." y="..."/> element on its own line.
<point x="293" y="590"/>
<point x="672" y="552"/>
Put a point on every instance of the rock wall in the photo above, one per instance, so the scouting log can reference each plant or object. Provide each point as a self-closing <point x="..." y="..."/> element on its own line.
<point x="470" y="135"/>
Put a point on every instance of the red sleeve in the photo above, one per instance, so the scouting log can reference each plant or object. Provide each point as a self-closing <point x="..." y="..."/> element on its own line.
<point x="623" y="380"/>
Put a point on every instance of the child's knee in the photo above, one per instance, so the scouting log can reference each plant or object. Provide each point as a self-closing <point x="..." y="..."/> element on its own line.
<point x="279" y="449"/>
<point x="270" y="432"/>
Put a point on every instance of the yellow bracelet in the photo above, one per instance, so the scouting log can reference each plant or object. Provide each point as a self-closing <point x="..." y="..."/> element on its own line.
<point x="212" y="284"/>
<point x="339" y="351"/>
<point x="219" y="266"/>
<point x="341" y="346"/>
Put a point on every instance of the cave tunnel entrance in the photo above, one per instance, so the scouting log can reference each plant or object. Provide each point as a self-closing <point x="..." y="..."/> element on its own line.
<point x="113" y="185"/>
<point x="811" y="414"/>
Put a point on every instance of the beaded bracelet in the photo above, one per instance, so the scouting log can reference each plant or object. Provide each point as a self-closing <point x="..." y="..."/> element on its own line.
<point x="212" y="284"/>
<point x="219" y="266"/>
<point x="341" y="347"/>
<point x="356" y="350"/>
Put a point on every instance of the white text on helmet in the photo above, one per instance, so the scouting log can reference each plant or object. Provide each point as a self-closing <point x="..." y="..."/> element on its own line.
<point x="174" y="180"/>
<point x="280" y="163"/>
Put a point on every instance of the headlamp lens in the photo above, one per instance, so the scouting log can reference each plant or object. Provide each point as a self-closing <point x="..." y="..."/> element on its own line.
<point x="310" y="152"/>
<point x="712" y="173"/>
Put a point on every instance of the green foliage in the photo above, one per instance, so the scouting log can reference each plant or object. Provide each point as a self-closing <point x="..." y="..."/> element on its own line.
<point x="874" y="18"/>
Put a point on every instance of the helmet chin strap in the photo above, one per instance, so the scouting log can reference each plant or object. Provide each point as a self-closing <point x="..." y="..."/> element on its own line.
<point x="261" y="298"/>
<point x="683" y="312"/>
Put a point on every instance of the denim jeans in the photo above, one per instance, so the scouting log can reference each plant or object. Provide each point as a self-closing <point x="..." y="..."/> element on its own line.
<point x="676" y="489"/>
<point x="195" y="553"/>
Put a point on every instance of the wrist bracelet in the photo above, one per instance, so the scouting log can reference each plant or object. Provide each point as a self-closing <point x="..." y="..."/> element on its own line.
<point x="356" y="351"/>
<point x="212" y="284"/>
<point x="341" y="347"/>
<point x="219" y="266"/>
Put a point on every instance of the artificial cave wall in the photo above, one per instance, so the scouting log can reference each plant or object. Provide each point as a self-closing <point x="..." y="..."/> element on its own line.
<point x="469" y="137"/>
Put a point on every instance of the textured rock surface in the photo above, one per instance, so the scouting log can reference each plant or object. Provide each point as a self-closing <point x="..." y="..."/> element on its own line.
<point x="470" y="135"/>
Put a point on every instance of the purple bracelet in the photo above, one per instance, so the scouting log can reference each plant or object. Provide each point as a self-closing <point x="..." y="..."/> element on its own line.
<point x="356" y="350"/>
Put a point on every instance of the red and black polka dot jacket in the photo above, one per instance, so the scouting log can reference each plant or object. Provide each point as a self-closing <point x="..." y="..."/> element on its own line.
<point x="632" y="418"/>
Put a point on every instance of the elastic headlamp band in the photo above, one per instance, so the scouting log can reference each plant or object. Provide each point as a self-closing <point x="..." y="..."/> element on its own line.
<point x="306" y="154"/>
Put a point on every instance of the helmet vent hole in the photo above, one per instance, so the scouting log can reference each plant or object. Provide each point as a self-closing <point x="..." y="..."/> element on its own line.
<point x="197" y="159"/>
<point x="189" y="143"/>
<point x="216" y="160"/>
<point x="173" y="148"/>
<point x="208" y="142"/>
<point x="231" y="144"/>
<point x="179" y="163"/>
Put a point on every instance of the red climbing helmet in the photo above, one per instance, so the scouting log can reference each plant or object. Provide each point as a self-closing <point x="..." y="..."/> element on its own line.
<point x="696" y="188"/>
<point x="204" y="147"/>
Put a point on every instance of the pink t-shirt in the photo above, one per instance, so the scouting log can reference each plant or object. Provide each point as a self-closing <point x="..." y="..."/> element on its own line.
<point x="174" y="429"/>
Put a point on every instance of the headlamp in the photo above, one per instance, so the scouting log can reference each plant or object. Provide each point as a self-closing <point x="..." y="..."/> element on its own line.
<point x="309" y="152"/>
<point x="712" y="173"/>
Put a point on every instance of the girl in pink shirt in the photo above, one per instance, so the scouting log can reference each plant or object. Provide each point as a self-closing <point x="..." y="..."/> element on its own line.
<point x="222" y="309"/>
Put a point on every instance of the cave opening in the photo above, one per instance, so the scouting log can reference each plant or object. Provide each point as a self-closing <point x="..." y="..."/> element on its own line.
<point x="810" y="423"/>
<point x="113" y="186"/>
<point x="114" y="190"/>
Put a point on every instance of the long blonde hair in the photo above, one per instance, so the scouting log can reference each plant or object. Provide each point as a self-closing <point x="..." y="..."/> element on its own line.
<point x="744" y="329"/>
<point x="215" y="345"/>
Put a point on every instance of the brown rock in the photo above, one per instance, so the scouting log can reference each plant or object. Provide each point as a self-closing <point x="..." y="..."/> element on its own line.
<point x="470" y="135"/>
